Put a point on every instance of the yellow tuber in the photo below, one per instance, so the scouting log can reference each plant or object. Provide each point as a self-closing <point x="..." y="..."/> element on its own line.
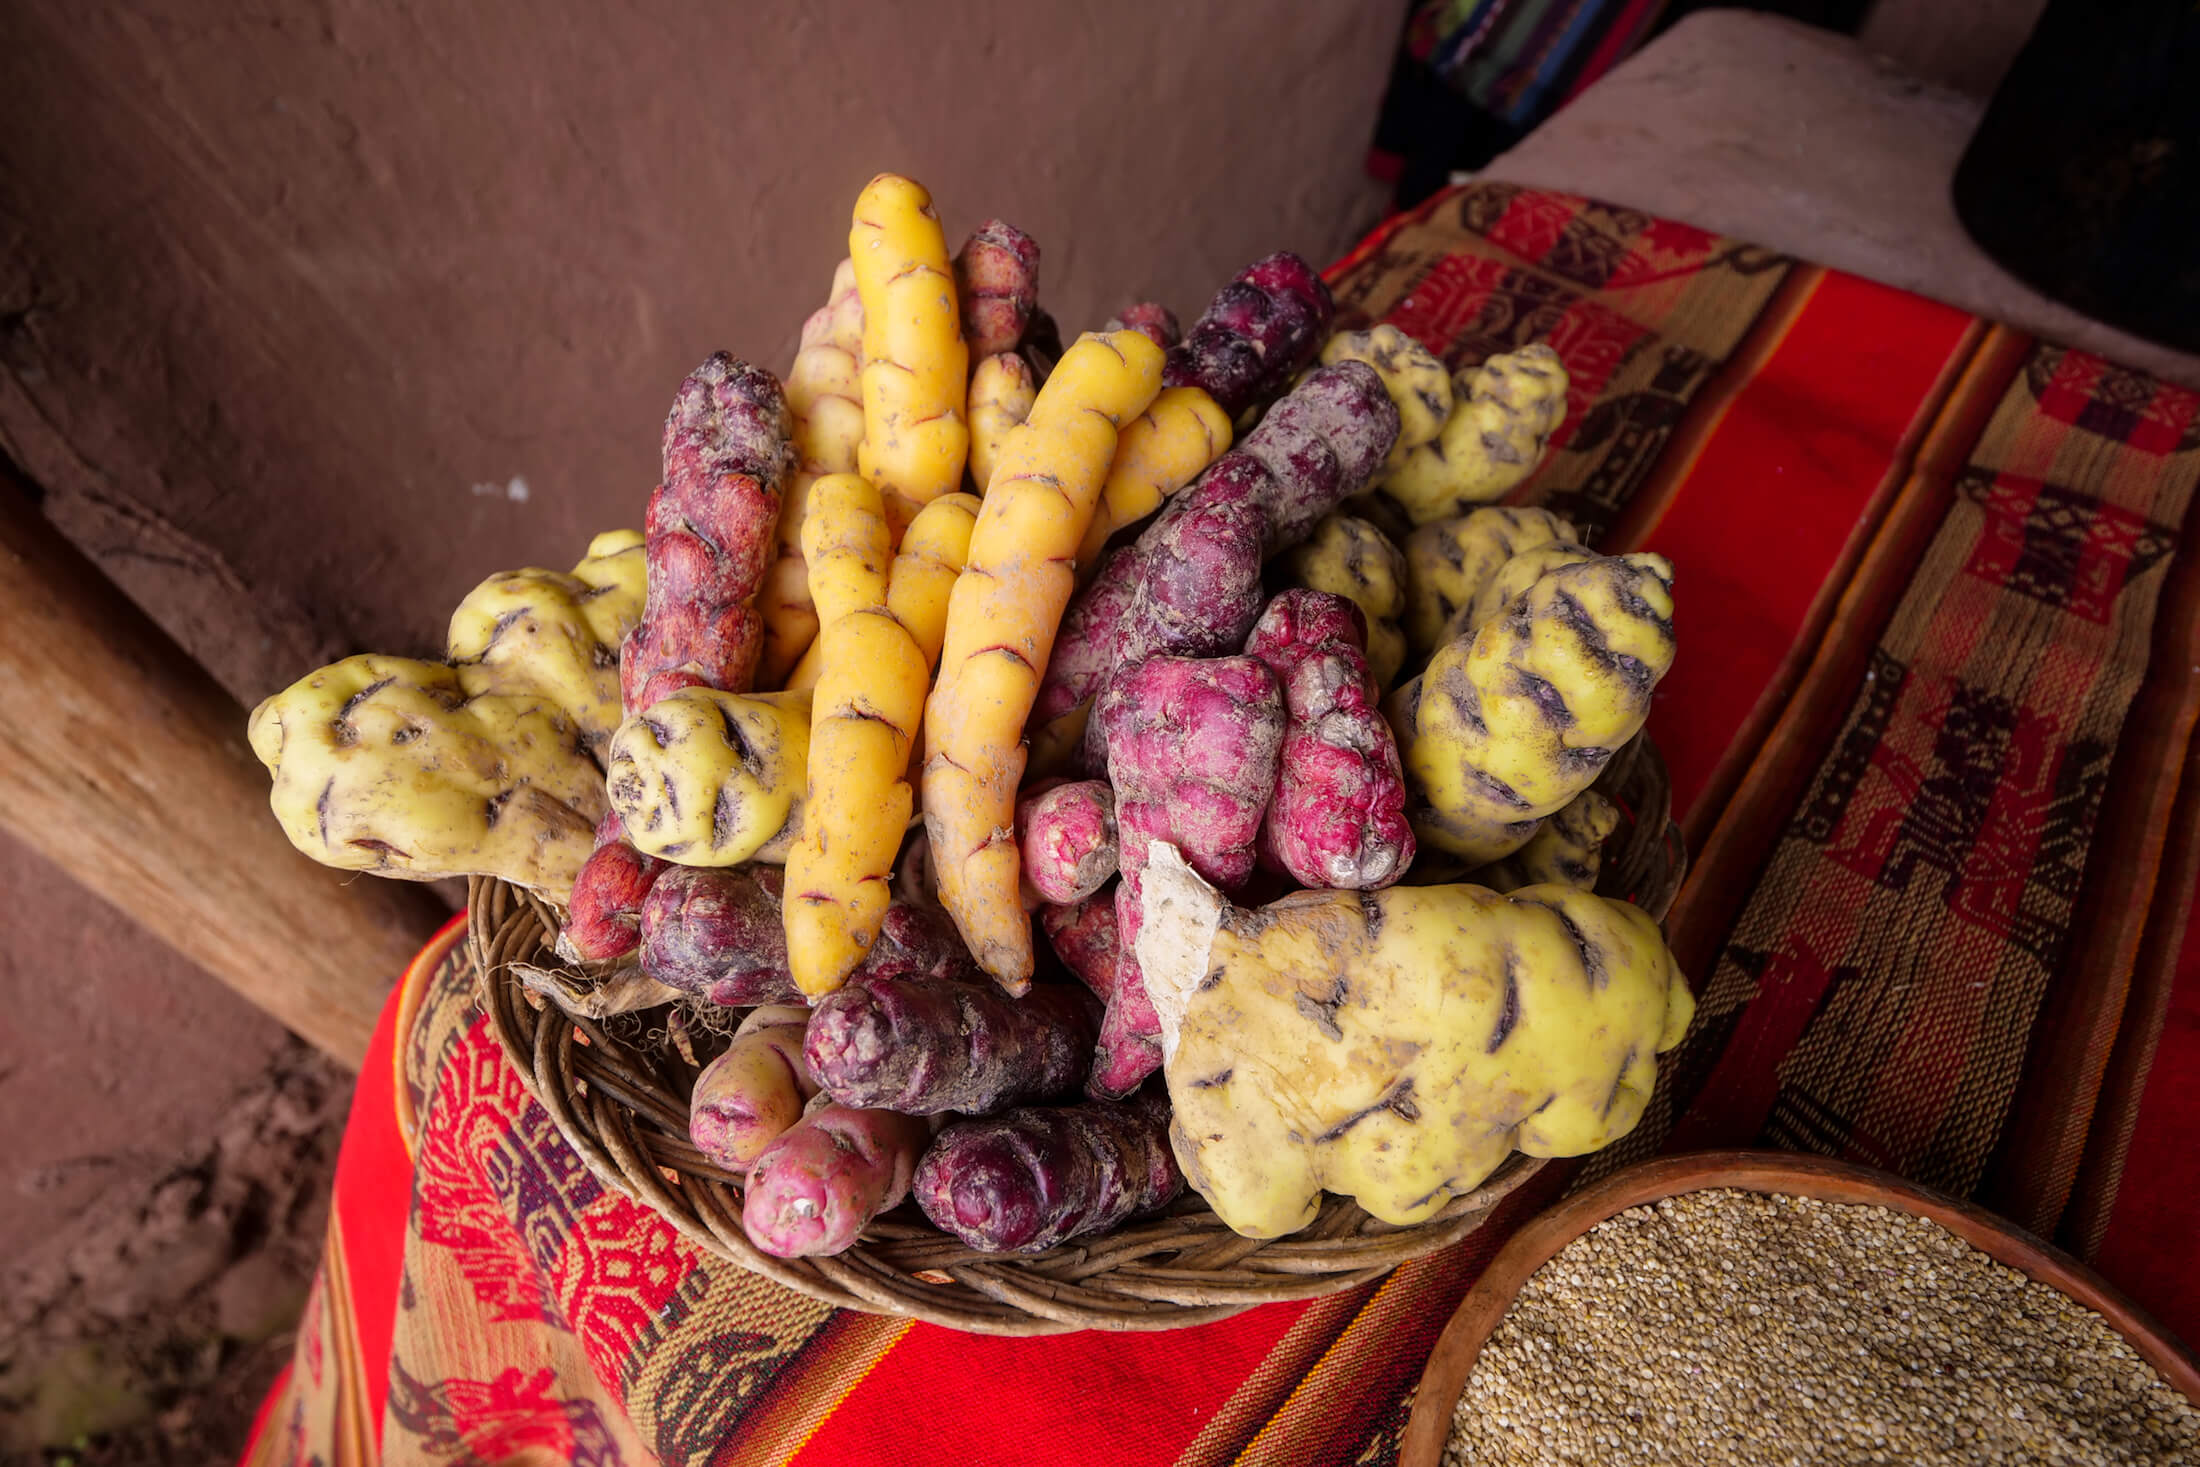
<point x="1450" y="561"/>
<point x="1508" y="725"/>
<point x="1001" y="622"/>
<point x="825" y="399"/>
<point x="933" y="551"/>
<point x="707" y="778"/>
<point x="1505" y="413"/>
<point x="1513" y="577"/>
<point x="1567" y="851"/>
<point x="1002" y="391"/>
<point x="873" y="676"/>
<point x="1349" y="557"/>
<point x="1396" y="1046"/>
<point x="847" y="546"/>
<point x="1160" y="451"/>
<point x="1413" y="375"/>
<point x="916" y="369"/>
<point x="555" y="636"/>
<point x="385" y="764"/>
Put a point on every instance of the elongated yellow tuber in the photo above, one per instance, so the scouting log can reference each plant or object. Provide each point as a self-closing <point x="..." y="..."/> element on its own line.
<point x="551" y="635"/>
<point x="1396" y="1046"/>
<point x="873" y="675"/>
<point x="847" y="545"/>
<point x="1160" y="451"/>
<point x="1510" y="724"/>
<point x="1001" y="622"/>
<point x="916" y="369"/>
<point x="1002" y="391"/>
<point x="933" y="551"/>
<point x="825" y="397"/>
<point x="385" y="764"/>
<point x="1450" y="561"/>
<point x="1351" y="558"/>
<point x="804" y="677"/>
<point x="707" y="778"/>
<point x="1505" y="413"/>
<point x="934" y="546"/>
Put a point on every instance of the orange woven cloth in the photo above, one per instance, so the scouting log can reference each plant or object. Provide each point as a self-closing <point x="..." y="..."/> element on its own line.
<point x="1939" y="597"/>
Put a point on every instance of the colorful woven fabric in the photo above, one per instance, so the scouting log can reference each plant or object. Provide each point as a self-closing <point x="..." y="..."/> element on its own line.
<point x="1940" y="616"/>
<point x="1517" y="59"/>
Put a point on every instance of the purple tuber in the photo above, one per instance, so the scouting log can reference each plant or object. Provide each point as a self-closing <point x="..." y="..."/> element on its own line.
<point x="716" y="932"/>
<point x="1257" y="333"/>
<point x="1026" y="1180"/>
<point x="927" y="1046"/>
<point x="1338" y="816"/>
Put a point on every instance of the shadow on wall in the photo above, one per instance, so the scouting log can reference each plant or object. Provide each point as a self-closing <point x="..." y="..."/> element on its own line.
<point x="307" y="325"/>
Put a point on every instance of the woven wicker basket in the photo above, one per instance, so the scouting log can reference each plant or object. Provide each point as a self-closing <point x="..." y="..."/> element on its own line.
<point x="623" y="1106"/>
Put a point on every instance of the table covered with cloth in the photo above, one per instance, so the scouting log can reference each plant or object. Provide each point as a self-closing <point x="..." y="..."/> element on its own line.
<point x="1931" y="739"/>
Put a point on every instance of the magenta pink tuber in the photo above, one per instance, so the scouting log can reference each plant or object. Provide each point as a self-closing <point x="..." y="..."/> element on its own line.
<point x="1084" y="936"/>
<point x="604" y="916"/>
<point x="1192" y="750"/>
<point x="1338" y="816"/>
<point x="997" y="286"/>
<point x="710" y="534"/>
<point x="814" y="1189"/>
<point x="1066" y="835"/>
<point x="1155" y="320"/>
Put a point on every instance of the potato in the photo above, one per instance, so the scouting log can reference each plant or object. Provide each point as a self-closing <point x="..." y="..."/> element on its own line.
<point x="1396" y="1046"/>
<point x="384" y="764"/>
<point x="707" y="778"/>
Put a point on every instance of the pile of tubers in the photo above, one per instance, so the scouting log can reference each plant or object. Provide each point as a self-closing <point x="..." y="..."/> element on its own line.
<point x="1068" y="771"/>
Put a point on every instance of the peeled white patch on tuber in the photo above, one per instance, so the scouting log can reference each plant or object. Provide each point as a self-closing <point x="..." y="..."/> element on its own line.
<point x="1180" y="914"/>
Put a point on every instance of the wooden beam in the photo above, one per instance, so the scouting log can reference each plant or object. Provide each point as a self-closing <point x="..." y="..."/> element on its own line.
<point x="124" y="763"/>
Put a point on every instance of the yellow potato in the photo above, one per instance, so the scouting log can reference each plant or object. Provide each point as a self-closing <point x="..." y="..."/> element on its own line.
<point x="384" y="764"/>
<point x="1508" y="725"/>
<point x="546" y="634"/>
<point x="1396" y="1046"/>
<point x="1505" y="413"/>
<point x="707" y="778"/>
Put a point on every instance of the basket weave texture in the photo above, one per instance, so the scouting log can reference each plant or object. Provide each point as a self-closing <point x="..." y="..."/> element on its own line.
<point x="621" y="1102"/>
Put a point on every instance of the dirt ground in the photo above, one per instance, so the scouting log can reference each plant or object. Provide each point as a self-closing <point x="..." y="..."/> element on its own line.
<point x="169" y="1151"/>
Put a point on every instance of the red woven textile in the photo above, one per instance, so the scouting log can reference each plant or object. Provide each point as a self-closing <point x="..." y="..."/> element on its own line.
<point x="1938" y="594"/>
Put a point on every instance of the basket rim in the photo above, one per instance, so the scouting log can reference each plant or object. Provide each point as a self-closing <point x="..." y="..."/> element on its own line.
<point x="622" y="1109"/>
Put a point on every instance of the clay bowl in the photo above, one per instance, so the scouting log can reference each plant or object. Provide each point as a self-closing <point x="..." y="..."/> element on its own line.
<point x="1755" y="1171"/>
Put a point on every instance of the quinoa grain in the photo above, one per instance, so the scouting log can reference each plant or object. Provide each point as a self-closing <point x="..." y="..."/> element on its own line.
<point x="1727" y="1326"/>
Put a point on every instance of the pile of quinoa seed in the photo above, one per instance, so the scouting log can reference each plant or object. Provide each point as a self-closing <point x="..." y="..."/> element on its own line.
<point x="1739" y="1327"/>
